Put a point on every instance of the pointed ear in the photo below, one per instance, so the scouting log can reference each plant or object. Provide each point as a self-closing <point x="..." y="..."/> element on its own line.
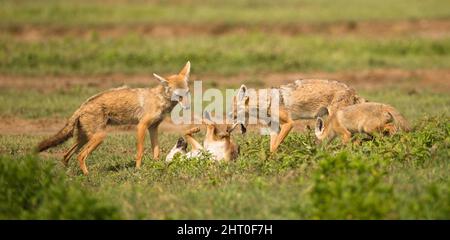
<point x="161" y="79"/>
<point x="185" y="72"/>
<point x="241" y="93"/>
<point x="243" y="129"/>
<point x="319" y="127"/>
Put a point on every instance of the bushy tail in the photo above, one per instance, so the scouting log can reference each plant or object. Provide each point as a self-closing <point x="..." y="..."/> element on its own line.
<point x="65" y="133"/>
<point x="400" y="122"/>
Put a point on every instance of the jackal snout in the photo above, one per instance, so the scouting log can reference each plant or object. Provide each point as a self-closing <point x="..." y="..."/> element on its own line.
<point x="178" y="85"/>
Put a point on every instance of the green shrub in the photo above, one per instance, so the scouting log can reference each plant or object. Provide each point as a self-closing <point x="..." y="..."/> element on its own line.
<point x="350" y="186"/>
<point x="31" y="189"/>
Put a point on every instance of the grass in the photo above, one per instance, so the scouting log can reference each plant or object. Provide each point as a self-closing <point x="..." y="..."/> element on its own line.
<point x="404" y="177"/>
<point x="32" y="190"/>
<point x="92" y="13"/>
<point x="230" y="54"/>
<point x="62" y="103"/>
<point x="56" y="104"/>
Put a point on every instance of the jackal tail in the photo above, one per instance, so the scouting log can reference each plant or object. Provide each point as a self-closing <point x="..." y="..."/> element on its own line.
<point x="400" y="122"/>
<point x="63" y="135"/>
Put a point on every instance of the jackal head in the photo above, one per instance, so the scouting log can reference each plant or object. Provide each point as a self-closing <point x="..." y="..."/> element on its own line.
<point x="177" y="86"/>
<point x="321" y="117"/>
<point x="179" y="148"/>
<point x="213" y="130"/>
<point x="240" y="109"/>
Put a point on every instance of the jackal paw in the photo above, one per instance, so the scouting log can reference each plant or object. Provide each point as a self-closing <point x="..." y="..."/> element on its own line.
<point x="192" y="131"/>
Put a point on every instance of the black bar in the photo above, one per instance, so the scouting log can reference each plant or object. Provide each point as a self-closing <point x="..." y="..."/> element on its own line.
<point x="234" y="229"/>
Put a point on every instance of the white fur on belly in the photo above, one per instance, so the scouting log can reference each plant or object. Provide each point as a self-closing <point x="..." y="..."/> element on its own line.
<point x="175" y="151"/>
<point x="217" y="149"/>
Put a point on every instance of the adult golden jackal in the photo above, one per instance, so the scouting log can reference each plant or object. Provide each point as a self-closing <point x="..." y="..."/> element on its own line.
<point x="145" y="107"/>
<point x="368" y="118"/>
<point x="301" y="99"/>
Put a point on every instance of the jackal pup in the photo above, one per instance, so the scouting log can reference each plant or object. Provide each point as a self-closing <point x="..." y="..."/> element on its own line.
<point x="216" y="142"/>
<point x="145" y="107"/>
<point x="368" y="118"/>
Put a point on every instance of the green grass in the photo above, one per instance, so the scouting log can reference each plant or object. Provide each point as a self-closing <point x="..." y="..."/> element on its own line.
<point x="230" y="54"/>
<point x="35" y="104"/>
<point x="33" y="190"/>
<point x="89" y="13"/>
<point x="32" y="104"/>
<point x="403" y="177"/>
<point x="412" y="106"/>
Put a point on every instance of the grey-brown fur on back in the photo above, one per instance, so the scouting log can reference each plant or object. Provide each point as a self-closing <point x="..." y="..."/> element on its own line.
<point x="96" y="96"/>
<point x="303" y="98"/>
<point x="90" y="99"/>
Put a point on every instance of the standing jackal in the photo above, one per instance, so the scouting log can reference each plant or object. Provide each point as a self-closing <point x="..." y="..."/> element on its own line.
<point x="299" y="100"/>
<point x="145" y="107"/>
<point x="368" y="118"/>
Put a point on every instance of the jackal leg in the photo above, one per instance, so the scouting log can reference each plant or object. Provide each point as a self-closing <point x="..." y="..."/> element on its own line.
<point x="94" y="141"/>
<point x="191" y="140"/>
<point x="82" y="139"/>
<point x="346" y="135"/>
<point x="286" y="126"/>
<point x="153" y="131"/>
<point x="142" y="127"/>
<point x="273" y="140"/>
<point x="69" y="154"/>
<point x="285" y="129"/>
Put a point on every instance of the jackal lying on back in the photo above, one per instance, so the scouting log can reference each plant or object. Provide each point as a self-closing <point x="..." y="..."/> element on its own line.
<point x="299" y="100"/>
<point x="368" y="118"/>
<point x="219" y="144"/>
<point x="145" y="107"/>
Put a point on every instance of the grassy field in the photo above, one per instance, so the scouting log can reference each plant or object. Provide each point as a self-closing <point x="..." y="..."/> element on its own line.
<point x="55" y="54"/>
<point x="403" y="177"/>
<point x="229" y="54"/>
<point x="92" y="13"/>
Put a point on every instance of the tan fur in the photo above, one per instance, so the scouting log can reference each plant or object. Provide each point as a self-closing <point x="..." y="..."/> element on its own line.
<point x="144" y="107"/>
<point x="302" y="100"/>
<point x="217" y="142"/>
<point x="368" y="118"/>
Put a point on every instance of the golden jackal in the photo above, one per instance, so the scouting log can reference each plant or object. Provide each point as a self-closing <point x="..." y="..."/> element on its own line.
<point x="299" y="100"/>
<point x="145" y="107"/>
<point x="368" y="118"/>
<point x="216" y="142"/>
